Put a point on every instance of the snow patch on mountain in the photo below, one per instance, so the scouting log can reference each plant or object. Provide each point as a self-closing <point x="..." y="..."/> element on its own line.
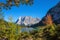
<point x="27" y="20"/>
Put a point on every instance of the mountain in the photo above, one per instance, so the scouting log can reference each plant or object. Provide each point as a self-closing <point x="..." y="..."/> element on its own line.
<point x="34" y="22"/>
<point x="55" y="14"/>
<point x="27" y="21"/>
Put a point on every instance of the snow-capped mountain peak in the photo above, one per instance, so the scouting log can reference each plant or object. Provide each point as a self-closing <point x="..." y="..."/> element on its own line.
<point x="27" y="20"/>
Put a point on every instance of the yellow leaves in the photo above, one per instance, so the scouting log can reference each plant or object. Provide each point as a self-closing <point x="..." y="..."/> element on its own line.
<point x="48" y="20"/>
<point x="27" y="1"/>
<point x="9" y="3"/>
<point x="17" y="2"/>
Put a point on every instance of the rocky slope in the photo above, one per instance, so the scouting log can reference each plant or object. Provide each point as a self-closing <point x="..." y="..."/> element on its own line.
<point x="27" y="21"/>
<point x="55" y="14"/>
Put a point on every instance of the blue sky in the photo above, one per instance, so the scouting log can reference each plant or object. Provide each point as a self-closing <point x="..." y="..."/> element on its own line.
<point x="38" y="9"/>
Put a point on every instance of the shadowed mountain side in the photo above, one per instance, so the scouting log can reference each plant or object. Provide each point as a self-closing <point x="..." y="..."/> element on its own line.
<point x="55" y="14"/>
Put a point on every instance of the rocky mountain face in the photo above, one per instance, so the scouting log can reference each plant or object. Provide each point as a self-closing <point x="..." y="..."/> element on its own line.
<point x="55" y="14"/>
<point x="27" y="21"/>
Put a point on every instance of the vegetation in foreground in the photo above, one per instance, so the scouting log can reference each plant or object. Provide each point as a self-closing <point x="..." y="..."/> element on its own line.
<point x="11" y="31"/>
